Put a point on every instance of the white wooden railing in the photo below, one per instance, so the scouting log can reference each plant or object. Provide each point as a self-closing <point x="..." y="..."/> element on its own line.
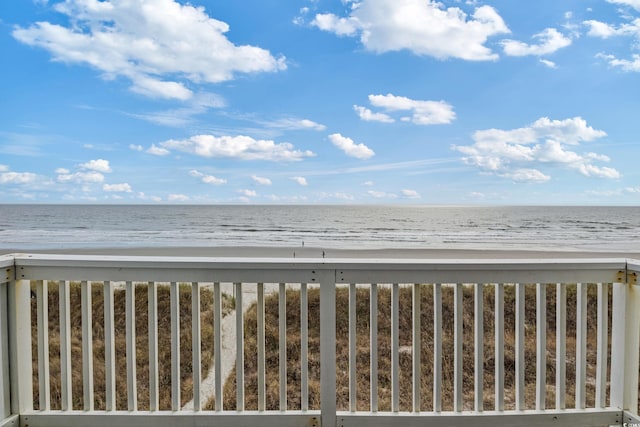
<point x="616" y="361"/>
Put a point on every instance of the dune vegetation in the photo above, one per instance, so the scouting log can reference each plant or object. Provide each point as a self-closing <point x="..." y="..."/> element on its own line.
<point x="142" y="340"/>
<point x="405" y="359"/>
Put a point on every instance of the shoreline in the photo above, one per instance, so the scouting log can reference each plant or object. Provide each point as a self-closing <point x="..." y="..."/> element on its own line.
<point x="315" y="252"/>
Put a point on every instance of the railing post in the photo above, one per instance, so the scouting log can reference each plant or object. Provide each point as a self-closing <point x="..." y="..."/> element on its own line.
<point x="327" y="279"/>
<point x="5" y="395"/>
<point x="20" y="370"/>
<point x="625" y="341"/>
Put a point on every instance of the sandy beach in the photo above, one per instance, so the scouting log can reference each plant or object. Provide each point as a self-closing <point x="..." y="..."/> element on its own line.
<point x="310" y="252"/>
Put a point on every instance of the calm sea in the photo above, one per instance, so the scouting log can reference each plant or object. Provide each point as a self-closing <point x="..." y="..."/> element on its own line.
<point x="349" y="227"/>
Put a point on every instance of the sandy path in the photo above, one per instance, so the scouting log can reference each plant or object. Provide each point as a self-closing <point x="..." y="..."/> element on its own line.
<point x="228" y="329"/>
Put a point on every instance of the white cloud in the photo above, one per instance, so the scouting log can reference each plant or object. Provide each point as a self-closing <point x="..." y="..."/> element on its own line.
<point x="368" y="183"/>
<point x="549" y="64"/>
<point x="237" y="147"/>
<point x="157" y="45"/>
<point x="369" y="116"/>
<point x="143" y="196"/>
<point x="17" y="177"/>
<point x="633" y="3"/>
<point x="422" y="112"/>
<point x="550" y="40"/>
<point x="4" y="168"/>
<point x="296" y="124"/>
<point x="135" y="147"/>
<point x="424" y="27"/>
<point x="351" y="149"/>
<point x="603" y="30"/>
<point x="81" y="177"/>
<point x="207" y="179"/>
<point x="261" y="180"/>
<point x="200" y="103"/>
<point x="248" y="193"/>
<point x="300" y="180"/>
<point x="117" y="188"/>
<point x="177" y="198"/>
<point x="382" y="194"/>
<point x="334" y="24"/>
<point x="336" y="196"/>
<point x="410" y="194"/>
<point x="98" y="165"/>
<point x="629" y="65"/>
<point x="518" y="153"/>
<point x="526" y="175"/>
<point x="158" y="151"/>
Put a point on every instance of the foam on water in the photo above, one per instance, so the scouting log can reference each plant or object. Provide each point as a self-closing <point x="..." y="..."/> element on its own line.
<point x="349" y="227"/>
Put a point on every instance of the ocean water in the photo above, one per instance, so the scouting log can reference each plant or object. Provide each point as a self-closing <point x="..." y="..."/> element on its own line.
<point x="347" y="227"/>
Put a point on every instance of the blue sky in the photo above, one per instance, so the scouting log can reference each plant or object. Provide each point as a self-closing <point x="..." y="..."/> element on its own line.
<point x="278" y="101"/>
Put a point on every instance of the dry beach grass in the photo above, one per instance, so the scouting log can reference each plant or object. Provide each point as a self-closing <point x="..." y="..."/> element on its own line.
<point x="405" y="360"/>
<point x="142" y="353"/>
<point x="293" y="347"/>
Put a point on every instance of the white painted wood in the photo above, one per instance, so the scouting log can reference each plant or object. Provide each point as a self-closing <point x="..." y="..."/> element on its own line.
<point x="109" y="348"/>
<point x="5" y="389"/>
<point x="352" y="348"/>
<point x="196" y="339"/>
<point x="154" y="384"/>
<point x="568" y="418"/>
<point x="625" y="337"/>
<point x="417" y="329"/>
<point x="457" y="348"/>
<point x="581" y="345"/>
<point x="630" y="419"/>
<point x="261" y="349"/>
<point x="132" y="381"/>
<point x="21" y="372"/>
<point x="65" y="345"/>
<point x="519" y="344"/>
<point x="10" y="421"/>
<point x="177" y="419"/>
<point x="217" y="343"/>
<point x="479" y="347"/>
<point x="174" y="298"/>
<point x="499" y="347"/>
<point x="239" y="347"/>
<point x="44" y="382"/>
<point x="311" y="419"/>
<point x="626" y="326"/>
<point x="437" y="347"/>
<point x="327" y="281"/>
<point x="602" y="345"/>
<point x="561" y="345"/>
<point x="87" y="346"/>
<point x="304" y="348"/>
<point x="541" y="345"/>
<point x="373" y="347"/>
<point x="282" y="347"/>
<point x="45" y="266"/>
<point x="395" y="347"/>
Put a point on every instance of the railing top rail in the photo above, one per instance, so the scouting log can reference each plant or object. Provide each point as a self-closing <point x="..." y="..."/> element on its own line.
<point x="7" y="261"/>
<point x="6" y="268"/>
<point x="633" y="264"/>
<point x="171" y="262"/>
<point x="348" y="270"/>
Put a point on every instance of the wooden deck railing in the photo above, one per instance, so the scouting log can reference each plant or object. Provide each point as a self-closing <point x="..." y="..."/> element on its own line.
<point x="603" y="391"/>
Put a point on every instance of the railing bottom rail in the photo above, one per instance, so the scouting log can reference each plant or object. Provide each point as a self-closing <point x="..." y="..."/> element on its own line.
<point x="569" y="417"/>
<point x="171" y="418"/>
